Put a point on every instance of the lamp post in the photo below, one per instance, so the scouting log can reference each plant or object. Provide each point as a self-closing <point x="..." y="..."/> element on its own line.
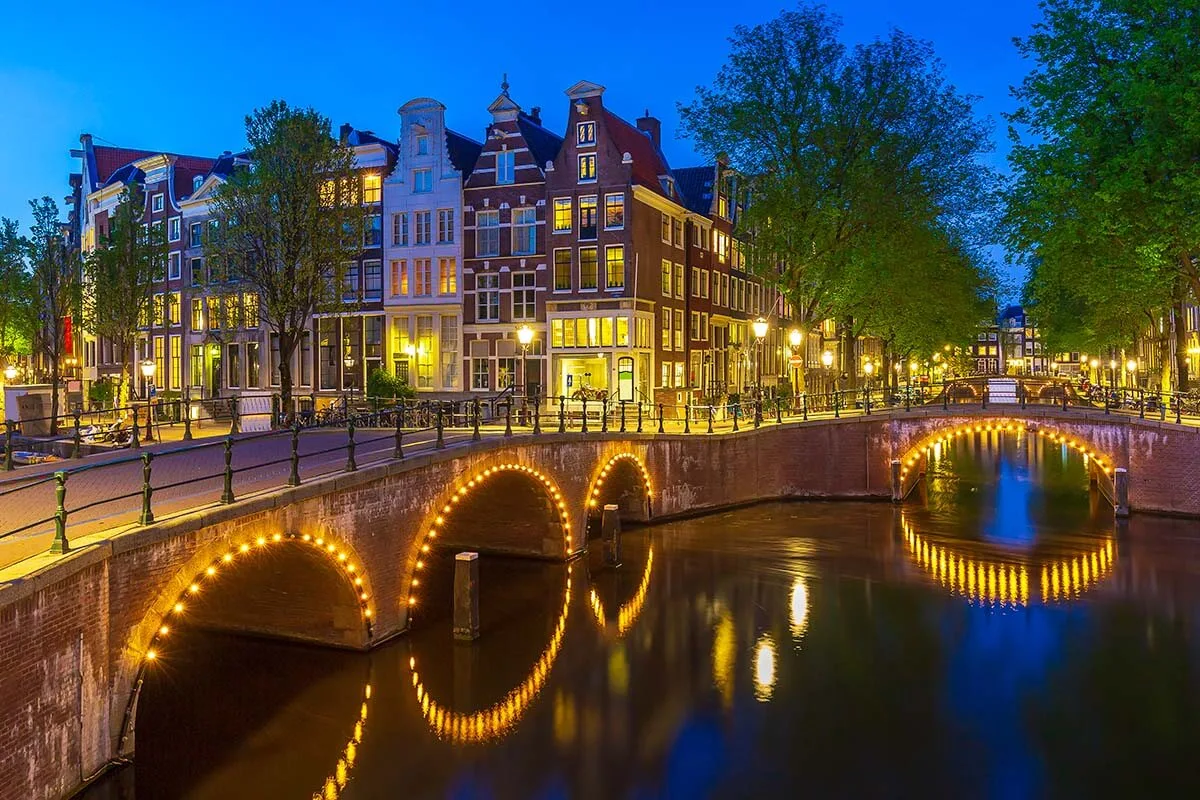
<point x="1131" y="368"/>
<point x="525" y="338"/>
<point x="868" y="371"/>
<point x="148" y="369"/>
<point x="10" y="373"/>
<point x="348" y="362"/>
<point x="1112" y="374"/>
<point x="760" y="327"/>
<point x="794" y="339"/>
<point x="1095" y="365"/>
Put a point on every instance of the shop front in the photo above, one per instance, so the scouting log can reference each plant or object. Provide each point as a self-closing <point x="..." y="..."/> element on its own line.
<point x="598" y="356"/>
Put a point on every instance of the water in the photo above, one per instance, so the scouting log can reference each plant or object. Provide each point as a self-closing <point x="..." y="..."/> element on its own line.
<point x="1000" y="639"/>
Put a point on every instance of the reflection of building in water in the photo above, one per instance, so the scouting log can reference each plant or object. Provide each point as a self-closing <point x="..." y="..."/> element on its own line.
<point x="628" y="613"/>
<point x="498" y="719"/>
<point x="336" y="782"/>
<point x="1006" y="582"/>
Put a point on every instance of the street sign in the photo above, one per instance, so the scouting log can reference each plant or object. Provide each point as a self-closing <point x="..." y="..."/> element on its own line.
<point x="797" y="361"/>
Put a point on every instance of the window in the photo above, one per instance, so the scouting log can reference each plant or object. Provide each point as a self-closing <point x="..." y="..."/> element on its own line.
<point x="487" y="233"/>
<point x="195" y="234"/>
<point x="449" y="348"/>
<point x="399" y="278"/>
<point x="679" y="281"/>
<point x="504" y="166"/>
<point x="197" y="182"/>
<point x="523" y="295"/>
<point x="679" y="384"/>
<point x="587" y="268"/>
<point x="587" y="168"/>
<point x="373" y="342"/>
<point x="173" y="229"/>
<point x="422" y="277"/>
<point x="562" y="215"/>
<point x="400" y="230"/>
<point x="372" y="281"/>
<point x="425" y="351"/>
<point x="197" y="314"/>
<point x="666" y="278"/>
<point x="704" y="283"/>
<point x="562" y="270"/>
<point x="666" y="329"/>
<point x="234" y="359"/>
<point x="350" y="282"/>
<point x="252" y="363"/>
<point x="614" y="211"/>
<point x="445" y="226"/>
<point x="721" y="245"/>
<point x="372" y="188"/>
<point x="173" y="268"/>
<point x="695" y="281"/>
<point x="667" y="371"/>
<point x="176" y="364"/>
<point x="585" y="134"/>
<point x="695" y="320"/>
<point x="306" y="362"/>
<point x="250" y="313"/>
<point x="678" y="226"/>
<point x="614" y="266"/>
<point x="447" y="276"/>
<point x="174" y="308"/>
<point x="487" y="297"/>
<point x="506" y="372"/>
<point x="480" y="378"/>
<point x="524" y="231"/>
<point x="423" y="222"/>
<point x="197" y="364"/>
<point x="373" y="231"/>
<point x="587" y="217"/>
<point x="678" y="329"/>
<point x="666" y="229"/>
<point x="422" y="180"/>
<point x="330" y="357"/>
<point x="421" y="143"/>
<point x="156" y="202"/>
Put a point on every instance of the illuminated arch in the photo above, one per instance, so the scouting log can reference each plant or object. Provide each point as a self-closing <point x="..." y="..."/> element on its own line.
<point x="946" y="435"/>
<point x="1007" y="582"/>
<point x="598" y="481"/>
<point x="172" y="606"/>
<point x="496" y="720"/>
<point x="434" y="526"/>
<point x="628" y="613"/>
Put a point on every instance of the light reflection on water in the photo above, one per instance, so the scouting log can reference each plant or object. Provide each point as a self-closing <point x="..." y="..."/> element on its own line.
<point x="996" y="641"/>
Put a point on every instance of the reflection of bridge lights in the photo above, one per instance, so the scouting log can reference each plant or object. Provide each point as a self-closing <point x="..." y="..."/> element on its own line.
<point x="723" y="654"/>
<point x="764" y="668"/>
<point x="336" y="782"/>
<point x="595" y="498"/>
<point x="1005" y="583"/>
<point x="932" y="446"/>
<point x="498" y="719"/>
<point x="461" y="492"/>
<point x="336" y="554"/>
<point x="799" y="608"/>
<point x="629" y="612"/>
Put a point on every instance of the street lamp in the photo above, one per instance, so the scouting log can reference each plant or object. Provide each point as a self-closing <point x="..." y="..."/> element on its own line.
<point x="148" y="370"/>
<point x="1112" y="374"/>
<point x="794" y="339"/>
<point x="525" y="337"/>
<point x="1131" y="367"/>
<point x="760" y="333"/>
<point x="10" y="373"/>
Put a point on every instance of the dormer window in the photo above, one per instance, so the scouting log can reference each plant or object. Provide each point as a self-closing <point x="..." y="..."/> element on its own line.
<point x="196" y="182"/>
<point x="156" y="203"/>
<point x="585" y="134"/>
<point x="422" y="144"/>
<point x="587" y="168"/>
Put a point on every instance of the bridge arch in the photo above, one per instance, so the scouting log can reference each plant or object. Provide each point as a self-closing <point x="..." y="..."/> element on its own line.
<point x="439" y="520"/>
<point x="622" y="479"/>
<point x="150" y="641"/>
<point x="628" y="612"/>
<point x="496" y="720"/>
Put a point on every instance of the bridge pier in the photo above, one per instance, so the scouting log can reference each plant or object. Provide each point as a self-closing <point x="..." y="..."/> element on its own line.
<point x="466" y="597"/>
<point x="897" y="482"/>
<point x="610" y="532"/>
<point x="1121" y="490"/>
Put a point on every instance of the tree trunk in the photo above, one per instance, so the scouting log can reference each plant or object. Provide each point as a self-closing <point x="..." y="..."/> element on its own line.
<point x="1164" y="363"/>
<point x="287" y="346"/>
<point x="54" y="380"/>
<point x="1179" y="327"/>
<point x="849" y="356"/>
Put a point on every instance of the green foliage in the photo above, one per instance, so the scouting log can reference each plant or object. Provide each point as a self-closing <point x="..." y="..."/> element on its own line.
<point x="18" y="316"/>
<point x="54" y="272"/>
<point x="289" y="222"/>
<point x="101" y="392"/>
<point x="382" y="385"/>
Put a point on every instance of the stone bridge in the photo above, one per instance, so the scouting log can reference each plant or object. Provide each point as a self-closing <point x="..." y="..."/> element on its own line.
<point x="339" y="560"/>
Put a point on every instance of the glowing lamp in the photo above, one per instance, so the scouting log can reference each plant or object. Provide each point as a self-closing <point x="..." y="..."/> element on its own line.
<point x="148" y="368"/>
<point x="525" y="335"/>
<point x="794" y="337"/>
<point x="760" y="328"/>
<point x="1131" y="365"/>
<point x="827" y="359"/>
<point x="10" y="373"/>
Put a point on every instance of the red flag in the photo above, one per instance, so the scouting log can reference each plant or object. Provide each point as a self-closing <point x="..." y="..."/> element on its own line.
<point x="68" y="338"/>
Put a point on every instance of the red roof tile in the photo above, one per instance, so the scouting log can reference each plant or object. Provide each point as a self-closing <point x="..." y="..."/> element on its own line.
<point x="648" y="163"/>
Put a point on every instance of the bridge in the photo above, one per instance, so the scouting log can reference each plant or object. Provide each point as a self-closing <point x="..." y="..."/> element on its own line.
<point x="338" y="559"/>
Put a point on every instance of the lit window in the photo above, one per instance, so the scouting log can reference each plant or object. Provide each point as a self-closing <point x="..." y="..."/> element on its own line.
<point x="678" y="329"/>
<point x="666" y="228"/>
<point x="562" y="270"/>
<point x="399" y="279"/>
<point x="422" y="180"/>
<point x="505" y="166"/>
<point x="372" y="187"/>
<point x="614" y="266"/>
<point x="585" y="134"/>
<point x="614" y="211"/>
<point x="587" y="167"/>
<point x="562" y="215"/>
<point x="447" y="276"/>
<point x="666" y="278"/>
<point x="422" y="277"/>
<point x="587" y="268"/>
<point x="587" y="217"/>
<point x="666" y="329"/>
<point x="487" y="233"/>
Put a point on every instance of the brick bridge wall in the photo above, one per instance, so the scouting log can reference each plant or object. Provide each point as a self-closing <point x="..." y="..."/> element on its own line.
<point x="76" y="630"/>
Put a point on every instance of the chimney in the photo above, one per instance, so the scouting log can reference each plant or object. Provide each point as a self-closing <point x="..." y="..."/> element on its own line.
<point x="535" y="114"/>
<point x="344" y="131"/>
<point x="652" y="126"/>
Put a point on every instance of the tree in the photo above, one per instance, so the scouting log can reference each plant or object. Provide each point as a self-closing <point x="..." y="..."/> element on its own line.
<point x="120" y="275"/>
<point x="1105" y="207"/>
<point x="18" y="316"/>
<point x="843" y="152"/>
<point x="54" y="272"/>
<point x="288" y="223"/>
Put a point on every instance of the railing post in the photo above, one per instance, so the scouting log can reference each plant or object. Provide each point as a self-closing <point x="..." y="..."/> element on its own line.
<point x="778" y="411"/>
<point x="867" y="401"/>
<point x="147" y="490"/>
<point x="294" y="477"/>
<point x="622" y="416"/>
<point x="945" y="399"/>
<point x="660" y="418"/>
<point x="537" y="418"/>
<point x="475" y="437"/>
<point x="687" y="417"/>
<point x="76" y="439"/>
<point x="562" y="413"/>
<point x="351" y="464"/>
<point x="757" y="412"/>
<point x="60" y="543"/>
<point x="441" y="426"/>
<point x="8" y="445"/>
<point x="136" y="441"/>
<point x="804" y="405"/>
<point x="398" y="450"/>
<point x="1178" y="416"/>
<point x="604" y="415"/>
<point x="583" y="426"/>
<point x="1142" y="405"/>
<point x="1107" y="402"/>
<point x="227" y="494"/>
<point x="639" y="427"/>
<point x="187" y="415"/>
<point x="710" y="418"/>
<point x="985" y="395"/>
<point x="737" y="410"/>
<point x="508" y="418"/>
<point x="1064" y="397"/>
<point x="233" y="415"/>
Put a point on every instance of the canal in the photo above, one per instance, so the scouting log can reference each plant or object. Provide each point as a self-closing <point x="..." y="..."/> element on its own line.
<point x="998" y="636"/>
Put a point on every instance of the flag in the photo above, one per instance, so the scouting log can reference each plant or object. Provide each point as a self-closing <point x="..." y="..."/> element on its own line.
<point x="68" y="338"/>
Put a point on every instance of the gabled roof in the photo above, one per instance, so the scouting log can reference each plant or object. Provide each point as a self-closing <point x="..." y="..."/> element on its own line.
<point x="357" y="138"/>
<point x="649" y="164"/>
<point x="543" y="144"/>
<point x="464" y="152"/>
<point x="110" y="159"/>
<point x="695" y="184"/>
<point x="125" y="175"/>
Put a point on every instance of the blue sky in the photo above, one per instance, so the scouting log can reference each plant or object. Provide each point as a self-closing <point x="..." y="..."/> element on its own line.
<point x="151" y="76"/>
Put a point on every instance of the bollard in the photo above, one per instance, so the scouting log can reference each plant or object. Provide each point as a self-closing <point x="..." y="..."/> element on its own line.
<point x="294" y="476"/>
<point x="687" y="418"/>
<point x="1064" y="398"/>
<point x="639" y="427"/>
<point x="135" y="441"/>
<point x="398" y="450"/>
<point x="985" y="396"/>
<point x="475" y="437"/>
<point x="8" y="445"/>
<point x="351" y="464"/>
<point x="1106" y="403"/>
<point x="441" y="441"/>
<point x="757" y="413"/>
<point x="60" y="543"/>
<point x="804" y="405"/>
<point x="77" y="439"/>
<point x="233" y="415"/>
<point x="897" y="485"/>
<point x="562" y="414"/>
<point x="466" y="597"/>
<point x="537" y="419"/>
<point x="187" y="415"/>
<point x="836" y="412"/>
<point x="1178" y="414"/>
<point x="710" y="419"/>
<point x="778" y="411"/>
<point x="1141" y="406"/>
<point x="867" y="402"/>
<point x="508" y="418"/>
<point x="945" y="400"/>
<point x="1121" y="492"/>
<point x="660" y="418"/>
<point x="227" y="494"/>
<point x="737" y="409"/>
<point x="583" y="426"/>
<point x="604" y="416"/>
<point x="622" y="416"/>
<point x="610" y="534"/>
<point x="147" y="490"/>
